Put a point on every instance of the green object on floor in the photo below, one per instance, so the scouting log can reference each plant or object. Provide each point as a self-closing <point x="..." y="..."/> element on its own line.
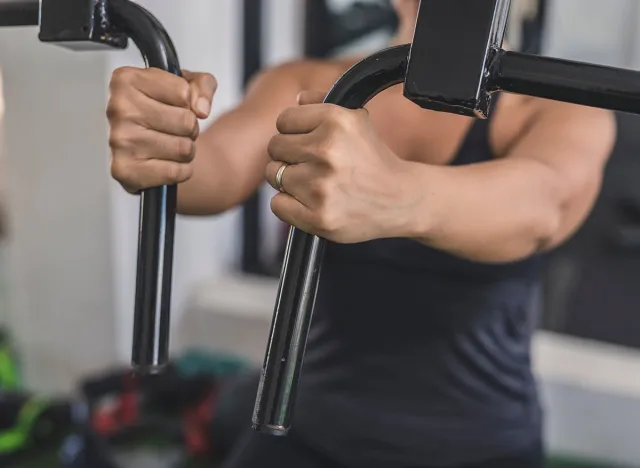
<point x="9" y="377"/>
<point x="217" y="365"/>
<point x="16" y="438"/>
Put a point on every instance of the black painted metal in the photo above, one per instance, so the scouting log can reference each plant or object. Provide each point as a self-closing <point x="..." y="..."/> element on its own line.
<point x="563" y="80"/>
<point x="157" y="208"/>
<point x="301" y="271"/>
<point x="79" y="25"/>
<point x="19" y="13"/>
<point x="452" y="49"/>
<point x="252" y="261"/>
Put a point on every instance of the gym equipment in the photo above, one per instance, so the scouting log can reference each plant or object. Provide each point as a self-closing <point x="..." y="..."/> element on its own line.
<point x="454" y="65"/>
<point x="29" y="424"/>
<point x="108" y="24"/>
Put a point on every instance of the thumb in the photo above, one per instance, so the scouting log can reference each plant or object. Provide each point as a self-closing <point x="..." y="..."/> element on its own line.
<point x="203" y="87"/>
<point x="311" y="97"/>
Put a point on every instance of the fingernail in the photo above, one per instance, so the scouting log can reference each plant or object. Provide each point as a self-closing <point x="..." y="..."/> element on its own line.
<point x="203" y="106"/>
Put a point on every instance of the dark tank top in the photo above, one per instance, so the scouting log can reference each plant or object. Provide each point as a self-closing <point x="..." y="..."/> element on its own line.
<point x="418" y="358"/>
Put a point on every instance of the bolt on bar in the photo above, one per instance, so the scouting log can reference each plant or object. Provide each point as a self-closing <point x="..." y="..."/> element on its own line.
<point x="99" y="24"/>
<point x="19" y="13"/>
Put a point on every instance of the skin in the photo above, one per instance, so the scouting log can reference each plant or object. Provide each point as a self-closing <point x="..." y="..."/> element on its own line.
<point x="374" y="173"/>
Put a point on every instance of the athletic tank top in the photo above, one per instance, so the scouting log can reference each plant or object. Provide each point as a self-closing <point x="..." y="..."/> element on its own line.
<point x="418" y="358"/>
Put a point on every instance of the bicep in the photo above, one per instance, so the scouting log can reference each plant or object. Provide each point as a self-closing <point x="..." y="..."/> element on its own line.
<point x="568" y="146"/>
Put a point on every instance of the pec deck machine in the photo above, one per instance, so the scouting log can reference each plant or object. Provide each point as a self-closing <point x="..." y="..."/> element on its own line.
<point x="455" y="64"/>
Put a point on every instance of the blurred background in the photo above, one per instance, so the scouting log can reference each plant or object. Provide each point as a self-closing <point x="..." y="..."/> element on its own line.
<point x="69" y="234"/>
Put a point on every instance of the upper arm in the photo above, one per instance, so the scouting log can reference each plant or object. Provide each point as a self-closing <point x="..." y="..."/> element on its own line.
<point x="239" y="138"/>
<point x="570" y="145"/>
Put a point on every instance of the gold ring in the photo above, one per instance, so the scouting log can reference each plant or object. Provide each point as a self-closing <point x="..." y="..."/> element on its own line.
<point x="279" y="176"/>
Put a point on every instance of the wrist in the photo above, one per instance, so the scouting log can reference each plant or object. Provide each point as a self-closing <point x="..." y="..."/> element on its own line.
<point x="414" y="217"/>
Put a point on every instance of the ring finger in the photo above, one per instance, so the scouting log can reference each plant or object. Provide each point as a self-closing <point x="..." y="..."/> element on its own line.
<point x="291" y="179"/>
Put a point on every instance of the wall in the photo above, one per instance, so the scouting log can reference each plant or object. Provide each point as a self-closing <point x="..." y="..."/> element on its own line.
<point x="74" y="231"/>
<point x="60" y="259"/>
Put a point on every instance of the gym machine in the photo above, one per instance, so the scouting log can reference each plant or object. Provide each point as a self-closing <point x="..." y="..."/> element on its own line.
<point x="455" y="64"/>
<point x="100" y="24"/>
<point x="458" y="78"/>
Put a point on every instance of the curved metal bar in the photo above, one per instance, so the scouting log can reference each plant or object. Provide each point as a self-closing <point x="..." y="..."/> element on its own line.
<point x="157" y="208"/>
<point x="301" y="270"/>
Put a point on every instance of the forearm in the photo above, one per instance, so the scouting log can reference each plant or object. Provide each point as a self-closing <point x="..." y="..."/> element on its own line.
<point x="219" y="183"/>
<point x="228" y="167"/>
<point x="499" y="211"/>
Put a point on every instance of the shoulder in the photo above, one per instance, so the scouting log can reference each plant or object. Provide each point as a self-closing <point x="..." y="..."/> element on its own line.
<point x="302" y="74"/>
<point x="518" y="117"/>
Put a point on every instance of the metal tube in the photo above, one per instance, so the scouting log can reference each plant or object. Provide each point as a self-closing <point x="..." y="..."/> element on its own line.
<point x="157" y="209"/>
<point x="301" y="270"/>
<point x="19" y="13"/>
<point x="563" y="80"/>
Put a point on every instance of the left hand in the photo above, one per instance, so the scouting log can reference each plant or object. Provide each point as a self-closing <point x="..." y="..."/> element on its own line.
<point x="343" y="183"/>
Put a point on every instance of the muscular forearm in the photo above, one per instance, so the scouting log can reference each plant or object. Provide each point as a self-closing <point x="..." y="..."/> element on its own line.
<point x="218" y="183"/>
<point x="500" y="211"/>
<point x="228" y="167"/>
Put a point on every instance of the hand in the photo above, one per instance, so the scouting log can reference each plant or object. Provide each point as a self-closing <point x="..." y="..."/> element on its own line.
<point x="153" y="117"/>
<point x="343" y="184"/>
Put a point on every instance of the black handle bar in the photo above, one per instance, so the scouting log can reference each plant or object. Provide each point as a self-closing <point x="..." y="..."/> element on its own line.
<point x="303" y="258"/>
<point x="157" y="208"/>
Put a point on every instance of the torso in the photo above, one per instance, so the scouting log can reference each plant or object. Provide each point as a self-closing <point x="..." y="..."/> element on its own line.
<point x="416" y="357"/>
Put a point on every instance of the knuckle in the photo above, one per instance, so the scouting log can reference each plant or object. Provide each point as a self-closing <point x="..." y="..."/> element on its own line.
<point x="123" y="76"/>
<point x="184" y="149"/>
<point x="177" y="173"/>
<point x="183" y="92"/>
<point x="120" y="171"/>
<point x="274" y="144"/>
<point x="325" y="149"/>
<point x="189" y="122"/>
<point x="119" y="137"/>
<point x="114" y="108"/>
<point x="326" y="220"/>
<point x="341" y="118"/>
<point x="283" y="119"/>
<point x="210" y="81"/>
<point x="335" y="114"/>
<point x="121" y="109"/>
<point x="320" y="189"/>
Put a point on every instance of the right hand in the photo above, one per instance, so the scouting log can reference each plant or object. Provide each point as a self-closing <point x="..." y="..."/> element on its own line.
<point x="153" y="117"/>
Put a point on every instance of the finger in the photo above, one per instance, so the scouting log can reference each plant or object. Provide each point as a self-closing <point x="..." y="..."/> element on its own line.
<point x="144" y="144"/>
<point x="170" y="148"/>
<point x="292" y="149"/>
<point x="154" y="115"/>
<point x="140" y="175"/>
<point x="294" y="180"/>
<point x="304" y="119"/>
<point x="311" y="97"/>
<point x="291" y="211"/>
<point x="203" y="88"/>
<point x="156" y="84"/>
